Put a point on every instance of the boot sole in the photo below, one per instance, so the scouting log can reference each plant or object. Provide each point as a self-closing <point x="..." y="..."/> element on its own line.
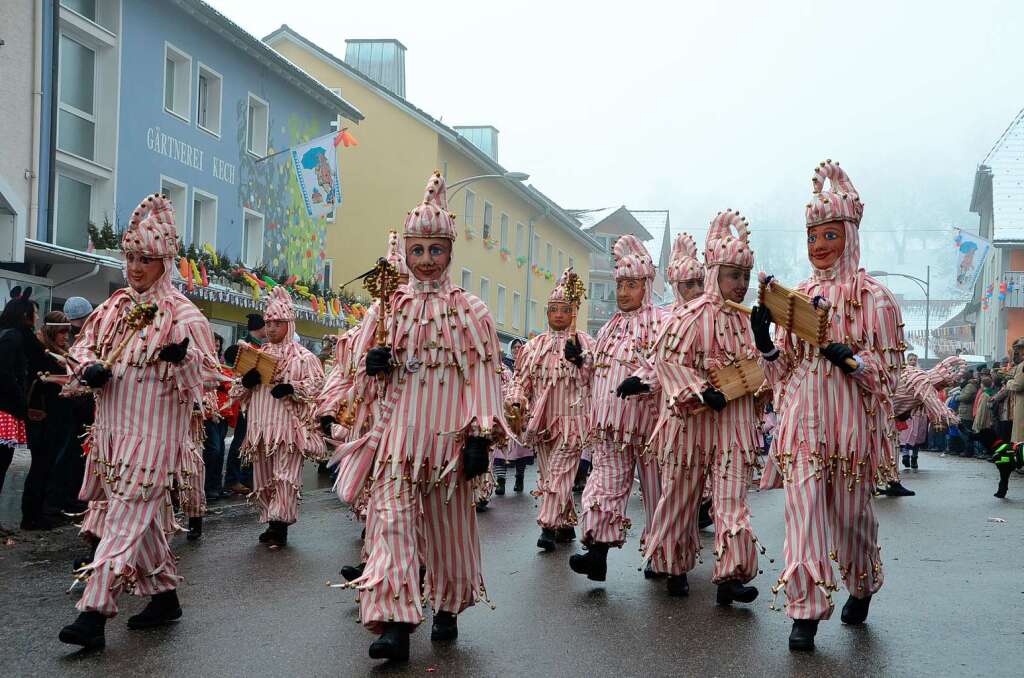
<point x="443" y="636"/>
<point x="145" y="624"/>
<point x="801" y="646"/>
<point x="73" y="638"/>
<point x="389" y="653"/>
<point x="725" y="600"/>
<point x="547" y="546"/>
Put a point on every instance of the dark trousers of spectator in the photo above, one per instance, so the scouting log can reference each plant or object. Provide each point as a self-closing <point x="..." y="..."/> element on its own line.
<point x="967" y="435"/>
<point x="45" y="441"/>
<point x="936" y="440"/>
<point x="235" y="473"/>
<point x="66" y="476"/>
<point x="1004" y="429"/>
<point x="213" y="455"/>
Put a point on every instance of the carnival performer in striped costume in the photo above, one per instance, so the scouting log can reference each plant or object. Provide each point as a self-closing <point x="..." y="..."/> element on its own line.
<point x="620" y="429"/>
<point x="835" y="436"/>
<point x="699" y="437"/>
<point x="552" y="385"/>
<point x="280" y="430"/>
<point x="146" y="379"/>
<point x="436" y="396"/>
<point x="917" y="403"/>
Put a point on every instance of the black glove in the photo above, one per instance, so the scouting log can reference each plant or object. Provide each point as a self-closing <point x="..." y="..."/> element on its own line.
<point x="174" y="353"/>
<point x="251" y="378"/>
<point x="378" y="361"/>
<point x="714" y="398"/>
<point x="326" y="422"/>
<point x="474" y="457"/>
<point x="96" y="375"/>
<point x="760" y="321"/>
<point x="837" y="354"/>
<point x="574" y="353"/>
<point x="631" y="386"/>
<point x="282" y="390"/>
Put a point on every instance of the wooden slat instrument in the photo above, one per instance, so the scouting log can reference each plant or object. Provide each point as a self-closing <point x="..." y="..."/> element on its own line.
<point x="250" y="357"/>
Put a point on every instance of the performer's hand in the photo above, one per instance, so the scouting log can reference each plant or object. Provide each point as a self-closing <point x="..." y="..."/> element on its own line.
<point x="378" y="361"/>
<point x="631" y="386"/>
<point x="573" y="352"/>
<point x="760" y="322"/>
<point x="326" y="422"/>
<point x="474" y="457"/>
<point x="174" y="353"/>
<point x="714" y="398"/>
<point x="838" y="354"/>
<point x="251" y="378"/>
<point x="282" y="390"/>
<point x="96" y="375"/>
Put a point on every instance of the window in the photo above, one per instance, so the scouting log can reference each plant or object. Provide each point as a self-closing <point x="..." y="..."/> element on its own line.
<point x="178" y="193"/>
<point x="561" y="261"/>
<point x="328" y="274"/>
<point x="548" y="257"/>
<point x="503" y="233"/>
<point x="534" y="321"/>
<point x="76" y="120"/>
<point x="257" y="127"/>
<point x="520" y="240"/>
<point x="485" y="291"/>
<point x="444" y="170"/>
<point x="499" y="311"/>
<point x="208" y="100"/>
<point x="517" y="302"/>
<point x="86" y="8"/>
<point x="572" y="263"/>
<point x="488" y="218"/>
<point x="467" y="278"/>
<point x="535" y="252"/>
<point x="252" y="238"/>
<point x="74" y="205"/>
<point x="598" y="291"/>
<point x="470" y="208"/>
<point x="204" y="219"/>
<point x="177" y="81"/>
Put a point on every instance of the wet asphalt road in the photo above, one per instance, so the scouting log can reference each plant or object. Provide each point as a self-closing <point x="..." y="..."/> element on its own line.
<point x="952" y="604"/>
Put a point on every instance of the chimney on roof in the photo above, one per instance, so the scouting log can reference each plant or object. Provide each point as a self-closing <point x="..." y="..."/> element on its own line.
<point x="383" y="61"/>
<point x="484" y="137"/>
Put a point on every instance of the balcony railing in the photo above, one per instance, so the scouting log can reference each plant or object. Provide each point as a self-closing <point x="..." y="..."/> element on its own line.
<point x="1015" y="289"/>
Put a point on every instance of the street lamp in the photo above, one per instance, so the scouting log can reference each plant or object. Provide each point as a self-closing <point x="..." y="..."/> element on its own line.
<point x="462" y="183"/>
<point x="926" y="287"/>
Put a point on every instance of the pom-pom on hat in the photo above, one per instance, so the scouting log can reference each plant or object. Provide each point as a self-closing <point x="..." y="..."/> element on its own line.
<point x="395" y="254"/>
<point x="151" y="230"/>
<point x="431" y="218"/>
<point x="840" y="203"/>
<point x="279" y="306"/>
<point x="724" y="247"/>
<point x="947" y="371"/>
<point x="684" y="264"/>
<point x="632" y="260"/>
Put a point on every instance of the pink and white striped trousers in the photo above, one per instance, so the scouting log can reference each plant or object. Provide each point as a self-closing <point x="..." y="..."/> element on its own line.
<point x="409" y="524"/>
<point x="822" y="508"/>
<point x="557" y="462"/>
<point x="277" y="484"/>
<point x="607" y="493"/>
<point x="674" y="538"/>
<point x="192" y="483"/>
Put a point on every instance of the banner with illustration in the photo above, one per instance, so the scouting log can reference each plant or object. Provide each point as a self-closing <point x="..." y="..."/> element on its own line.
<point x="316" y="169"/>
<point x="971" y="253"/>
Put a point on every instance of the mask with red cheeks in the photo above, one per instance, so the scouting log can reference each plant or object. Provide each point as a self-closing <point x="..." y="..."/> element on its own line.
<point x="825" y="244"/>
<point x="629" y="293"/>
<point x="733" y="282"/>
<point x="428" y="258"/>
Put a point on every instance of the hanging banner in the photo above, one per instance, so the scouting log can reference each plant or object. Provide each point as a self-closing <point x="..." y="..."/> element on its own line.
<point x="971" y="253"/>
<point x="316" y="169"/>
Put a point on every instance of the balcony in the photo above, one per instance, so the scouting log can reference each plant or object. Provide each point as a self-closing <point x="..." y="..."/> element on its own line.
<point x="1015" y="290"/>
<point x="601" y="311"/>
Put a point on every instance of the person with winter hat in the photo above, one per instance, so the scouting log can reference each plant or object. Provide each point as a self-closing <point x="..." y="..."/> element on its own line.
<point x="280" y="431"/>
<point x="835" y="435"/>
<point x="552" y="386"/>
<point x="147" y="354"/>
<point x="435" y="391"/>
<point x="620" y="430"/>
<point x="700" y="437"/>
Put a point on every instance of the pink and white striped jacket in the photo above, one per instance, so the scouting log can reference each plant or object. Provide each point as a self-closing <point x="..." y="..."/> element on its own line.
<point x="918" y="391"/>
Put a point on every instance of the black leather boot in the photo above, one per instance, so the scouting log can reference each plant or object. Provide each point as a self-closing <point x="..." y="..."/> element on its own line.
<point x="500" y="489"/>
<point x="593" y="563"/>
<point x="704" y="518"/>
<point x="906" y="461"/>
<point x="546" y="540"/>
<point x="86" y="630"/>
<point x="913" y="460"/>
<point x="195" y="529"/>
<point x="267" y="533"/>
<point x="352" y="572"/>
<point x="446" y="626"/>
<point x="732" y="590"/>
<point x="651" y="573"/>
<point x="856" y="610"/>
<point x="566" y="534"/>
<point x="163" y="608"/>
<point x="518" y="487"/>
<point x="278" y="534"/>
<point x="801" y="638"/>
<point x="677" y="585"/>
<point x="393" y="644"/>
<point x="896" y="489"/>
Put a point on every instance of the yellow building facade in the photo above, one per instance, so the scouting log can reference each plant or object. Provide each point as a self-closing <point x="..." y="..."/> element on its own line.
<point x="513" y="241"/>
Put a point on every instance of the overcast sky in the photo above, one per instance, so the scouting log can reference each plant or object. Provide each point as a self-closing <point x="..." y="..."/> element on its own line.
<point x="700" y="106"/>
